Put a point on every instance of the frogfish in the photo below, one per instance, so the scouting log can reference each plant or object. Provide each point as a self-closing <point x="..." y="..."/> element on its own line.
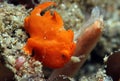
<point x="49" y="41"/>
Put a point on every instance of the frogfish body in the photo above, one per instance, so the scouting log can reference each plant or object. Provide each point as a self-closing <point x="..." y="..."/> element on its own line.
<point x="49" y="42"/>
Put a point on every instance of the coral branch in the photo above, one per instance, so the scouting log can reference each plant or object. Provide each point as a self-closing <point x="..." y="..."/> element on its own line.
<point x="85" y="43"/>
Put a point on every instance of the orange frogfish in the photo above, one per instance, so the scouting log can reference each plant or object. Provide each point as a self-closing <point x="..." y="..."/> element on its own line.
<point x="49" y="42"/>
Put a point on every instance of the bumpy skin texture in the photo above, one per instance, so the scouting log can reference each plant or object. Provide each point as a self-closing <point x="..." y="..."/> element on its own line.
<point x="49" y="41"/>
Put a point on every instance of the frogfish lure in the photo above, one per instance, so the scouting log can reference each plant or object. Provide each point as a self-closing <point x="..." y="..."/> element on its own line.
<point x="49" y="42"/>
